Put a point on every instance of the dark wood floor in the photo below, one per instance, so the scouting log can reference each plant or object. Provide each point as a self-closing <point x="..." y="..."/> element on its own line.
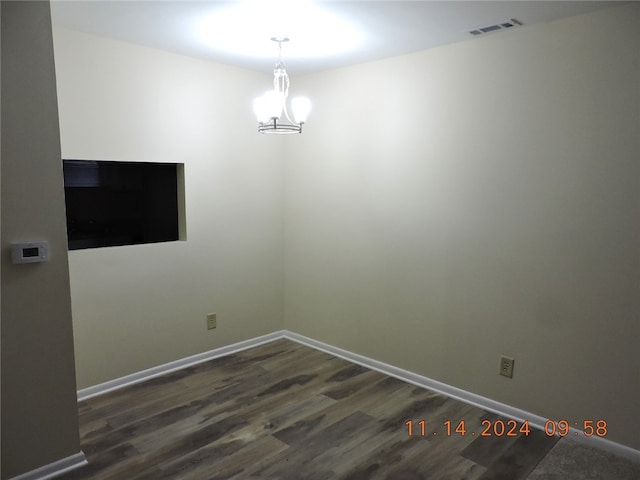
<point x="286" y="411"/>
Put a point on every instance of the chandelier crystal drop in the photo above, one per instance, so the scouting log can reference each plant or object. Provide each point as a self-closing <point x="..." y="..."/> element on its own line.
<point x="273" y="104"/>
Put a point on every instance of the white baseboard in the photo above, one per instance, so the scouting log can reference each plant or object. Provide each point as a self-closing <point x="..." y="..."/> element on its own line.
<point x="419" y="380"/>
<point x="54" y="469"/>
<point x="467" y="397"/>
<point x="153" y="372"/>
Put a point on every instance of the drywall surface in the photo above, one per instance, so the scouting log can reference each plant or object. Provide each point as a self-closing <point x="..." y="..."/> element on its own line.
<point x="39" y="410"/>
<point x="479" y="199"/>
<point x="136" y="307"/>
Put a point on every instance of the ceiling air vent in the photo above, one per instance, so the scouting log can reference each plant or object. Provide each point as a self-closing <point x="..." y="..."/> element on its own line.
<point x="494" y="28"/>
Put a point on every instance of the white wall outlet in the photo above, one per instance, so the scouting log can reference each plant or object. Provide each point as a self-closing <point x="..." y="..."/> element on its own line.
<point x="506" y="366"/>
<point x="211" y="321"/>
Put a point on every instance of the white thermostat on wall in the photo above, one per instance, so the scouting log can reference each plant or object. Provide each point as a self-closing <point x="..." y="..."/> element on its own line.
<point x="32" y="252"/>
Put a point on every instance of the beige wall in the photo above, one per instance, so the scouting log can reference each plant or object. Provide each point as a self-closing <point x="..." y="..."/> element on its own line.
<point x="39" y="415"/>
<point x="481" y="199"/>
<point x="136" y="307"/>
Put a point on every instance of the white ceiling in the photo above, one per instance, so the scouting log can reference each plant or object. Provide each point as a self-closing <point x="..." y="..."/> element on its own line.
<point x="333" y="34"/>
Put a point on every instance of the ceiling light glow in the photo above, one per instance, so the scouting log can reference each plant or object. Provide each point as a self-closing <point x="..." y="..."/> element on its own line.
<point x="243" y="28"/>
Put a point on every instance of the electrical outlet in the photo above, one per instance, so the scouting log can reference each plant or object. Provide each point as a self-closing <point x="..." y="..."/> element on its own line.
<point x="211" y="321"/>
<point x="506" y="366"/>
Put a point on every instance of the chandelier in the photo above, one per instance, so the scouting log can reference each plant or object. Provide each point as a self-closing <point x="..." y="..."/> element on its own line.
<point x="271" y="106"/>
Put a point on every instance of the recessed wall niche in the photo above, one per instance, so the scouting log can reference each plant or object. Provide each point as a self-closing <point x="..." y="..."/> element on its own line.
<point x="112" y="203"/>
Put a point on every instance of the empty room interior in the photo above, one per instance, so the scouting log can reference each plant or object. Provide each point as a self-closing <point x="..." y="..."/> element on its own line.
<point x="433" y="274"/>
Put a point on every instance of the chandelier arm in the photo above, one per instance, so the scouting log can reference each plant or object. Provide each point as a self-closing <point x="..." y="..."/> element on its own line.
<point x="281" y="85"/>
<point x="281" y="82"/>
<point x="286" y="114"/>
